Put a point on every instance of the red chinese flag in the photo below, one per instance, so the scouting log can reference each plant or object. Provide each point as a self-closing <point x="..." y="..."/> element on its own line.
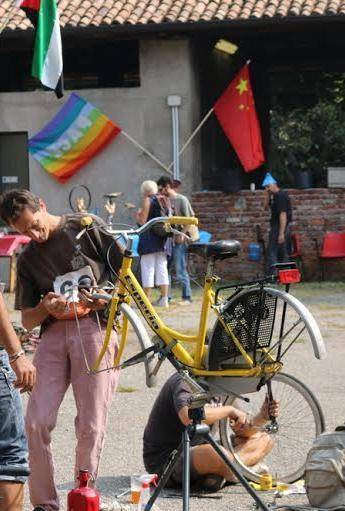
<point x="236" y="112"/>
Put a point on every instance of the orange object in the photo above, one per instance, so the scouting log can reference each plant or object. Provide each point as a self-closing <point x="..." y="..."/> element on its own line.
<point x="135" y="496"/>
<point x="333" y="245"/>
<point x="71" y="310"/>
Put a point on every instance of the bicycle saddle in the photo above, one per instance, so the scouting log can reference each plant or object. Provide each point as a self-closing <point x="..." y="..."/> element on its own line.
<point x="217" y="249"/>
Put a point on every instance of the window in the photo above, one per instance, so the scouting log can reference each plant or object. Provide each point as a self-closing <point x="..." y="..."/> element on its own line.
<point x="86" y="65"/>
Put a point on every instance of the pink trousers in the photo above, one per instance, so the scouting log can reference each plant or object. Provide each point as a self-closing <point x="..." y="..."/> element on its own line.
<point x="60" y="362"/>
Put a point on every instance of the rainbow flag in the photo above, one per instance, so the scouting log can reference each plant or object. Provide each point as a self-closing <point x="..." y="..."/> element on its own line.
<point x="74" y="136"/>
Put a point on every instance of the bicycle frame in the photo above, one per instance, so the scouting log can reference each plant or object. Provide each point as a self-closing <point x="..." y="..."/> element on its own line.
<point x="130" y="288"/>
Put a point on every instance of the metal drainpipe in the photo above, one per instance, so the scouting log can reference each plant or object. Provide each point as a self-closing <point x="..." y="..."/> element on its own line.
<point x="175" y="102"/>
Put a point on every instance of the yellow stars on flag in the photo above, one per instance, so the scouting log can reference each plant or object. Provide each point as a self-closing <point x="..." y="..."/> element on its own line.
<point x="242" y="86"/>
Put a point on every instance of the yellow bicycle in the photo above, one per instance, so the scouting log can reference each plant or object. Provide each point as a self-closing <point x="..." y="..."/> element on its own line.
<point x="240" y="358"/>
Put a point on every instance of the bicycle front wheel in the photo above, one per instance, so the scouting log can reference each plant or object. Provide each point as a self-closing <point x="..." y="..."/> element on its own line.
<point x="300" y="420"/>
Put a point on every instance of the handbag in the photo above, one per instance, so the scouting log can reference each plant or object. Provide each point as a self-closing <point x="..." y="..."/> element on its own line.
<point x="161" y="206"/>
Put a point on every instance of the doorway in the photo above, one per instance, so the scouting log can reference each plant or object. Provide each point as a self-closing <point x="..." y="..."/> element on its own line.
<point x="14" y="160"/>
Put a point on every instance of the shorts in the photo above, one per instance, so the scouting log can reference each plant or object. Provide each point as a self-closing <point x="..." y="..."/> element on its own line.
<point x="13" y="446"/>
<point x="154" y="269"/>
<point x="176" y="477"/>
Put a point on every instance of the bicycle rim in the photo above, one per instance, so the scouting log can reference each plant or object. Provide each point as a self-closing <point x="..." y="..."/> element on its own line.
<point x="300" y="421"/>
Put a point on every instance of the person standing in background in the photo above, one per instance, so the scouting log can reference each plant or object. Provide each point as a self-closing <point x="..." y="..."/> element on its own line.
<point x="181" y="207"/>
<point x="281" y="216"/>
<point x="151" y="247"/>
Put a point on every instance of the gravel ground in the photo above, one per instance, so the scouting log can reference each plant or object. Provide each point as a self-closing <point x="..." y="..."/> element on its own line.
<point x="132" y="403"/>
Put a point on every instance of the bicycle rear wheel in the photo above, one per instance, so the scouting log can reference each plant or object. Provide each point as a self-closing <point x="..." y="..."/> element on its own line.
<point x="300" y="421"/>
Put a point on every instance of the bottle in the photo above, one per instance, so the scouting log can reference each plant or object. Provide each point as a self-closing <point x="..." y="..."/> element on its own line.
<point x="83" y="498"/>
<point x="145" y="495"/>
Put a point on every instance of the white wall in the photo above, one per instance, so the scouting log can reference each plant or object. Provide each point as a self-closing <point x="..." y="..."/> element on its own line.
<point x="165" y="68"/>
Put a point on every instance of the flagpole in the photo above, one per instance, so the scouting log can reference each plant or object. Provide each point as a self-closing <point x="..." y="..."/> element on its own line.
<point x="7" y="19"/>
<point x="146" y="151"/>
<point x="188" y="141"/>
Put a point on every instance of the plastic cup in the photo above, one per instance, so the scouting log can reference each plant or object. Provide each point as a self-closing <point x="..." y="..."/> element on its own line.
<point x="135" y="488"/>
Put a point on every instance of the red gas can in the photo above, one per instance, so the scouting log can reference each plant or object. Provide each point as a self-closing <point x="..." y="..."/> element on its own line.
<point x="83" y="498"/>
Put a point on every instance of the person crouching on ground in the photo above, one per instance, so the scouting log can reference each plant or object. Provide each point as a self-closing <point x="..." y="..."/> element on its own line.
<point x="151" y="247"/>
<point x="46" y="268"/>
<point x="167" y="421"/>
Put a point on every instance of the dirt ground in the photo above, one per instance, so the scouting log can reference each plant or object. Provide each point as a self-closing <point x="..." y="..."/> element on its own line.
<point x="132" y="403"/>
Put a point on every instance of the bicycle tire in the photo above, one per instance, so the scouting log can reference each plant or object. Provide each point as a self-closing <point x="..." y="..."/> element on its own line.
<point x="285" y="462"/>
<point x="144" y="341"/>
<point x="88" y="194"/>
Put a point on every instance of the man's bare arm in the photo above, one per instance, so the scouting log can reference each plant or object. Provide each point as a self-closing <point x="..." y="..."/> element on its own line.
<point x="21" y="365"/>
<point x="143" y="213"/>
<point x="34" y="316"/>
<point x="7" y="334"/>
<point x="282" y="226"/>
<point x="214" y="414"/>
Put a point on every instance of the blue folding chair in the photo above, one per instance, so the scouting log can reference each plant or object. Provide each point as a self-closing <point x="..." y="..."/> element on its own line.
<point x="204" y="237"/>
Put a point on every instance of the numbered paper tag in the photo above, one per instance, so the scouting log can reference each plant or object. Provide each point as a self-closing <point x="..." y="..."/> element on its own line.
<point x="68" y="285"/>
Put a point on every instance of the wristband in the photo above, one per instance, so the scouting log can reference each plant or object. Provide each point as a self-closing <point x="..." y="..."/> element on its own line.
<point x="15" y="357"/>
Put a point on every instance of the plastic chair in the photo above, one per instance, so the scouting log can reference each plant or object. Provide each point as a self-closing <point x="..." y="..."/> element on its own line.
<point x="10" y="244"/>
<point x="333" y="247"/>
<point x="295" y="246"/>
<point x="204" y="237"/>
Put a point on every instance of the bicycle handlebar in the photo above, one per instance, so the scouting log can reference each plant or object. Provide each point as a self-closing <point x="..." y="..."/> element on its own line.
<point x="87" y="221"/>
<point x="170" y="220"/>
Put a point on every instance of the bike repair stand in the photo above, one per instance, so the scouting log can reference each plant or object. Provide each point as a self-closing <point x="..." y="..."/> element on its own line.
<point x="203" y="430"/>
<point x="197" y="414"/>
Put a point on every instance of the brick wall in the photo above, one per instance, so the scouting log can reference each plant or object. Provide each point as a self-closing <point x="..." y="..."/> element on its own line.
<point x="235" y="216"/>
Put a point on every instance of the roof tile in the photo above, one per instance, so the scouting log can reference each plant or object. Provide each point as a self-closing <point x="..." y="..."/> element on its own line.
<point x="86" y="13"/>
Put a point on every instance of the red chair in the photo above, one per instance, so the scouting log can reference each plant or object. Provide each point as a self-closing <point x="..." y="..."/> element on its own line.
<point x="333" y="247"/>
<point x="295" y="245"/>
<point x="10" y="245"/>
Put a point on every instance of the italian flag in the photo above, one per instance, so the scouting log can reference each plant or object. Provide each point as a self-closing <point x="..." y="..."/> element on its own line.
<point x="47" y="60"/>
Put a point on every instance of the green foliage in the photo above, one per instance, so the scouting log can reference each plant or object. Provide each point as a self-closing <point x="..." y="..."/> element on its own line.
<point x="310" y="135"/>
<point x="307" y="139"/>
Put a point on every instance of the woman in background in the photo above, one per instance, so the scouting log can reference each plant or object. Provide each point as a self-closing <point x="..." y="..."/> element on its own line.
<point x="151" y="248"/>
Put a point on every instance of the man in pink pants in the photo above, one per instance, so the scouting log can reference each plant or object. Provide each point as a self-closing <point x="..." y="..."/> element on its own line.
<point x="49" y="271"/>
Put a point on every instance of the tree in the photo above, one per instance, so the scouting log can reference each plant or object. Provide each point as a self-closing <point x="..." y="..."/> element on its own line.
<point x="311" y="138"/>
